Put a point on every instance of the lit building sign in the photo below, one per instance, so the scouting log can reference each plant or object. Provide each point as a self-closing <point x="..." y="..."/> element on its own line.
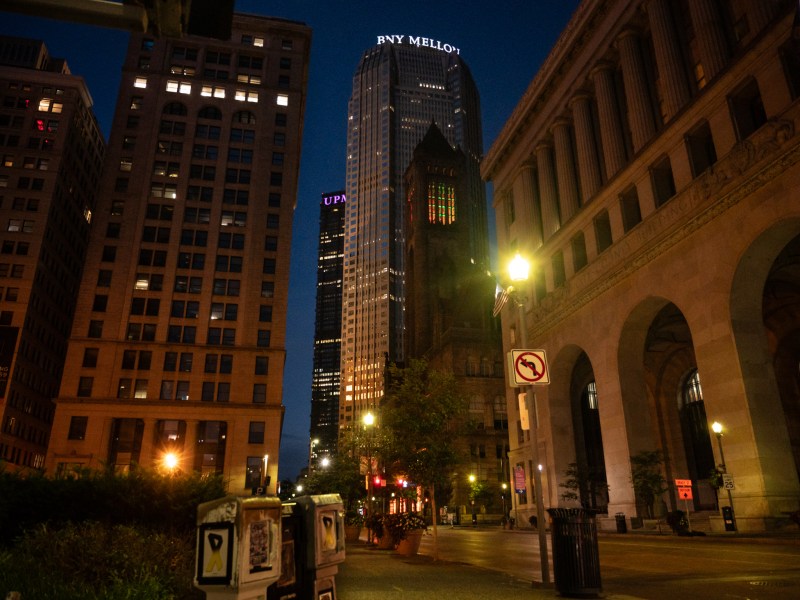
<point x="417" y="41"/>
<point x="333" y="198"/>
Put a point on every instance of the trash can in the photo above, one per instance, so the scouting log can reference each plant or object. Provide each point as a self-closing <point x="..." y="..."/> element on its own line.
<point x="622" y="527"/>
<point x="576" y="560"/>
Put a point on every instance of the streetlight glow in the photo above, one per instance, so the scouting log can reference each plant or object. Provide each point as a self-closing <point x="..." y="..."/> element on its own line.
<point x="518" y="268"/>
<point x="369" y="419"/>
<point x="716" y="427"/>
<point x="171" y="461"/>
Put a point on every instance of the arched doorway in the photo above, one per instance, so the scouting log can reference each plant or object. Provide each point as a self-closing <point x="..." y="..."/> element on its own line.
<point x="781" y="313"/>
<point x="587" y="476"/>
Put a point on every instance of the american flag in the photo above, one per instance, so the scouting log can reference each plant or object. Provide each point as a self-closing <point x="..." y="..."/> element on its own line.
<point x="500" y="299"/>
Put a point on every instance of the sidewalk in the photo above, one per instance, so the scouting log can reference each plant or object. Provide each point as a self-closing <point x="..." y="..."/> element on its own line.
<point x="372" y="574"/>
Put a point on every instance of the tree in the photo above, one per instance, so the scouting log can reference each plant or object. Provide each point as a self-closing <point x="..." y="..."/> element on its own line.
<point x="584" y="484"/>
<point x="647" y="477"/>
<point x="423" y="413"/>
<point x="342" y="476"/>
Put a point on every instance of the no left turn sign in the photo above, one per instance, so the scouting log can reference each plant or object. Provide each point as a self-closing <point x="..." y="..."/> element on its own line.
<point x="529" y="367"/>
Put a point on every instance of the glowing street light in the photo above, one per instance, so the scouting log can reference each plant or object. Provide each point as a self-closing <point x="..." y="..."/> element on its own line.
<point x="170" y="461"/>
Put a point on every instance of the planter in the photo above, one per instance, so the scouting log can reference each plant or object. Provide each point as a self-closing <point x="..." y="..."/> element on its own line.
<point x="410" y="545"/>
<point x="385" y="542"/>
<point x="352" y="533"/>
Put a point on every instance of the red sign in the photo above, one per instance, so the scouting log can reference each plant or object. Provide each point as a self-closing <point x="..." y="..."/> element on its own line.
<point x="519" y="479"/>
<point x="683" y="483"/>
<point x="685" y="493"/>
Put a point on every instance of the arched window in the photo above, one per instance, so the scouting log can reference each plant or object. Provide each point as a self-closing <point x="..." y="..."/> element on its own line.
<point x="210" y="112"/>
<point x="694" y="425"/>
<point x="244" y="116"/>
<point x="175" y="108"/>
<point x="692" y="392"/>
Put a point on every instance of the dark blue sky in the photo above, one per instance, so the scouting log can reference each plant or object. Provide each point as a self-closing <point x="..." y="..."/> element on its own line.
<point x="502" y="43"/>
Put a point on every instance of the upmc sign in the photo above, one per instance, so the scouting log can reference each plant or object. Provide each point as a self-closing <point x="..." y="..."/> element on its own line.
<point x="333" y="199"/>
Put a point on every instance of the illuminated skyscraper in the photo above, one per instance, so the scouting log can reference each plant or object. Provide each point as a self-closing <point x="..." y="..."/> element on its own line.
<point x="52" y="154"/>
<point x="400" y="87"/>
<point x="178" y="344"/>
<point x="328" y="327"/>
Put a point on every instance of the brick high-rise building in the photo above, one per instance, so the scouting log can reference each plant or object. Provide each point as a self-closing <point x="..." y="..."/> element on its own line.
<point x="52" y="155"/>
<point x="179" y="342"/>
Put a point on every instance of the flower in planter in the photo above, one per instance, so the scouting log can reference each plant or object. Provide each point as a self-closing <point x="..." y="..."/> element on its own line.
<point x="399" y="524"/>
<point x="353" y="517"/>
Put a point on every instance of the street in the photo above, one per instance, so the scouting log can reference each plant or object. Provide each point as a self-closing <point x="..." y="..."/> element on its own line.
<point x="647" y="566"/>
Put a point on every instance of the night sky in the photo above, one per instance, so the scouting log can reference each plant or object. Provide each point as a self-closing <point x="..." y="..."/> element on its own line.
<point x="503" y="48"/>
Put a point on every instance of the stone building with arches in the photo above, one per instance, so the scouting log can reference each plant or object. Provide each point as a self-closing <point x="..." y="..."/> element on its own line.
<point x="651" y="173"/>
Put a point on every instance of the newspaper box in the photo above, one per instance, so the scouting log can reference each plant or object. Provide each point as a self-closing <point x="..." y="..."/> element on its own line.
<point x="238" y="547"/>
<point x="322" y="534"/>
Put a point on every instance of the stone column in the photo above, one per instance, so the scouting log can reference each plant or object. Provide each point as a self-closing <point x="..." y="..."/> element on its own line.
<point x="672" y="74"/>
<point x="547" y="190"/>
<point x="710" y="37"/>
<point x="528" y="206"/>
<point x="611" y="131"/>
<point x="588" y="163"/>
<point x="640" y="109"/>
<point x="565" y="169"/>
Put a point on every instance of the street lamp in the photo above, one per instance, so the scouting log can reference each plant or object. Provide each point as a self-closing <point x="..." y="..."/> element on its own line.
<point x="504" y="487"/>
<point x="472" y="499"/>
<point x="716" y="427"/>
<point x="518" y="270"/>
<point x="369" y="420"/>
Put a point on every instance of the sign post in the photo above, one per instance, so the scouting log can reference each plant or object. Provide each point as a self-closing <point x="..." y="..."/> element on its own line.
<point x="685" y="493"/>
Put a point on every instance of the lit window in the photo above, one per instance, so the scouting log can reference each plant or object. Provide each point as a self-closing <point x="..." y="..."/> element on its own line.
<point x="172" y="85"/>
<point x="44" y="104"/>
<point x="186" y="88"/>
<point x="282" y="100"/>
<point x="206" y="91"/>
<point x="257" y="41"/>
<point x="140" y="82"/>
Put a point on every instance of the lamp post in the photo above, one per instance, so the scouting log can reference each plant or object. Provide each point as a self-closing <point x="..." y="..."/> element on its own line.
<point x="369" y="421"/>
<point x="518" y="269"/>
<point x="504" y="487"/>
<point x="716" y="427"/>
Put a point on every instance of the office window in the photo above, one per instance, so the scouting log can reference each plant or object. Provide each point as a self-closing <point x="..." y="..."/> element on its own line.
<point x="262" y="365"/>
<point x="559" y="274"/>
<point x="259" y="393"/>
<point x="747" y="109"/>
<point x="90" y="357"/>
<point x="223" y="392"/>
<point x="265" y="313"/>
<point x="85" y="387"/>
<point x="663" y="181"/>
<point x="77" y="428"/>
<point x="170" y="361"/>
<point x="700" y="147"/>
<point x="602" y="231"/>
<point x="579" y="257"/>
<point x="631" y="212"/>
<point x="263" y="338"/>
<point x="256" y="432"/>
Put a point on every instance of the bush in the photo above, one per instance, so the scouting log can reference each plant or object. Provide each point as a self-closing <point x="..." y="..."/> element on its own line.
<point x="146" y="498"/>
<point x="93" y="561"/>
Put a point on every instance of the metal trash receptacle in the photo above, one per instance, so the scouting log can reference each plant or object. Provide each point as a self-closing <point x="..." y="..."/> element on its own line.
<point x="622" y="527"/>
<point x="576" y="559"/>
